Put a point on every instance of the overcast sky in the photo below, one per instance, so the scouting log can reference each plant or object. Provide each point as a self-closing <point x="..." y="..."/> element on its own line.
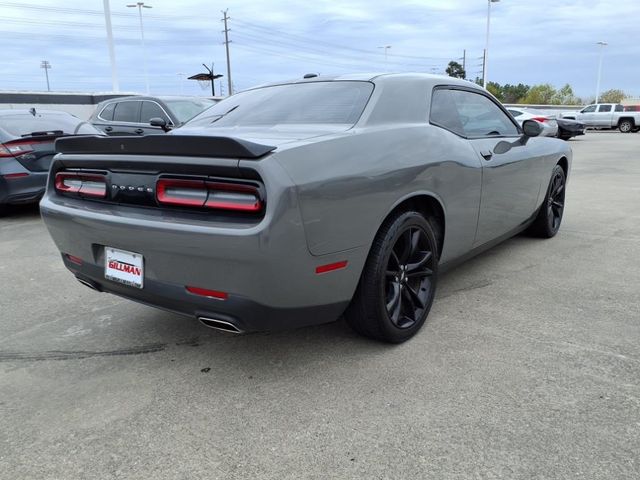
<point x="532" y="41"/>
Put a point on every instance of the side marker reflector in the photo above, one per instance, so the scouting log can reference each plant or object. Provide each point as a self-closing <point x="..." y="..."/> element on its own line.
<point x="73" y="259"/>
<point x="203" y="292"/>
<point x="330" y="267"/>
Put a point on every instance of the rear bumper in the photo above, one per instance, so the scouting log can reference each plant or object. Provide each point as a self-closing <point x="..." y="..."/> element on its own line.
<point x="25" y="189"/>
<point x="266" y="268"/>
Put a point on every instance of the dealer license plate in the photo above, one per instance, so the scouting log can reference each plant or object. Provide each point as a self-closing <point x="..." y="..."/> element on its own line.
<point x="124" y="267"/>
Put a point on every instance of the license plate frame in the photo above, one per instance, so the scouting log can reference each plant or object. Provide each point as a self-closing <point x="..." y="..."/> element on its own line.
<point x="124" y="267"/>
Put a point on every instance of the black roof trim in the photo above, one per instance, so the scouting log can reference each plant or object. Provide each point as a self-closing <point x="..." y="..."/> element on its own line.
<point x="178" y="145"/>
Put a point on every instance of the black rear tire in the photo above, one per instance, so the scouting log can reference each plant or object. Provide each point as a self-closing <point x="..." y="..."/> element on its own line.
<point x="626" y="126"/>
<point x="398" y="283"/>
<point x="549" y="218"/>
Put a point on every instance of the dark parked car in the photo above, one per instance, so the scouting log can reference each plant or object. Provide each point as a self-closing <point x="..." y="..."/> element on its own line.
<point x="568" y="128"/>
<point x="132" y="115"/>
<point x="289" y="204"/>
<point x="26" y="148"/>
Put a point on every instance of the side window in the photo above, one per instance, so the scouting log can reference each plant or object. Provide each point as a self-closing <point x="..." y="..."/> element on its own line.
<point x="619" y="108"/>
<point x="515" y="113"/>
<point x="481" y="117"/>
<point x="604" y="108"/>
<point x="444" y="112"/>
<point x="589" y="109"/>
<point x="127" y="112"/>
<point x="152" y="110"/>
<point x="107" y="112"/>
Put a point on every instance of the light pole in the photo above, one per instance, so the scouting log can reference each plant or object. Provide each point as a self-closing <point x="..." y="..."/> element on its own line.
<point x="46" y="65"/>
<point x="112" y="54"/>
<point x="485" y="66"/>
<point x="386" y="47"/>
<point x="602" y="45"/>
<point x="140" y="6"/>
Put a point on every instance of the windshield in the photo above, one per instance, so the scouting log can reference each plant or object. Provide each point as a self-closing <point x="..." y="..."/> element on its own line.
<point x="334" y="103"/>
<point x="185" y="110"/>
<point x="22" y="124"/>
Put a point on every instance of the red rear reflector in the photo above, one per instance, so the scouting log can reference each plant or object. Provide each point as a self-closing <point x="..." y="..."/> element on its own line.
<point x="215" y="195"/>
<point x="72" y="259"/>
<point x="89" y="184"/>
<point x="203" y="292"/>
<point x="9" y="176"/>
<point x="331" y="267"/>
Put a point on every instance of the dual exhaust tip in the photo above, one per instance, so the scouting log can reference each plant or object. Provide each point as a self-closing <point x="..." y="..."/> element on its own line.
<point x="215" y="323"/>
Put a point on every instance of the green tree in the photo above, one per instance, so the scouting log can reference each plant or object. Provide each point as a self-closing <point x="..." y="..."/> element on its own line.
<point x="454" y="69"/>
<point x="496" y="90"/>
<point x="565" y="96"/>
<point x="514" y="93"/>
<point x="612" y="96"/>
<point x="540" y="95"/>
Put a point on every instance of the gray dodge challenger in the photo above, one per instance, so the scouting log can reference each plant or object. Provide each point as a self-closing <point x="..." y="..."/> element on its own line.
<point x="293" y="203"/>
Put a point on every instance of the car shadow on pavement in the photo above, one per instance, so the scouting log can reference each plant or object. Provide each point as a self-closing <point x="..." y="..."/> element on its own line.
<point x="19" y="212"/>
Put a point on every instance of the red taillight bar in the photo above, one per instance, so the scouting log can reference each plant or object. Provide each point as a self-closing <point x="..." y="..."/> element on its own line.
<point x="331" y="267"/>
<point x="89" y="184"/>
<point x="540" y="119"/>
<point x="215" y="195"/>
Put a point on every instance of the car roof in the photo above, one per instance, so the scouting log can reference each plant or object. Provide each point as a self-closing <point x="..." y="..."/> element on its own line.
<point x="26" y="111"/>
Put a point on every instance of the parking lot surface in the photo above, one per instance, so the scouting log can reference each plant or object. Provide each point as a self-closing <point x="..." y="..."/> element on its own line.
<point x="528" y="367"/>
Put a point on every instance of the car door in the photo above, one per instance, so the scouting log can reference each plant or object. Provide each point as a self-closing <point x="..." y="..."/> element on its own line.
<point x="586" y="115"/>
<point x="510" y="176"/>
<point x="126" y="118"/>
<point x="149" y="110"/>
<point x="602" y="117"/>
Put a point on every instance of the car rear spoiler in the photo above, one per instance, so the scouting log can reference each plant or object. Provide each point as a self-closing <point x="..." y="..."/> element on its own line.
<point x="176" y="145"/>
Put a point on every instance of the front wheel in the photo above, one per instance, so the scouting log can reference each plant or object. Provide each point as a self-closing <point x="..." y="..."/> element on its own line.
<point x="625" y="126"/>
<point x="549" y="218"/>
<point x="398" y="282"/>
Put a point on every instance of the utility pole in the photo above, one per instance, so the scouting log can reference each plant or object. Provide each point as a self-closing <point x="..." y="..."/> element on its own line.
<point x="484" y="68"/>
<point x="112" y="54"/>
<point x="46" y="65"/>
<point x="464" y="60"/>
<point x="226" y="45"/>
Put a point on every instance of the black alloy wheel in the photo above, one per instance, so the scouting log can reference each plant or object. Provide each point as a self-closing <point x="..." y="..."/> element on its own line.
<point x="398" y="282"/>
<point x="407" y="288"/>
<point x="549" y="218"/>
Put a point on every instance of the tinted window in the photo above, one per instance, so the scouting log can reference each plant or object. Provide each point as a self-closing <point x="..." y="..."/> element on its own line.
<point x="515" y="113"/>
<point x="187" y="109"/>
<point x="604" y="108"/>
<point x="20" y="124"/>
<point x="107" y="112"/>
<point x="127" y="112"/>
<point x="619" y="108"/>
<point x="152" y="110"/>
<point x="472" y="113"/>
<point x="589" y="109"/>
<point x="340" y="102"/>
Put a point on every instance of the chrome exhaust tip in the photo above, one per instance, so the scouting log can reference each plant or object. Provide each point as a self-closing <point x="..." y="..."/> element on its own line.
<point x="218" y="324"/>
<point x="87" y="283"/>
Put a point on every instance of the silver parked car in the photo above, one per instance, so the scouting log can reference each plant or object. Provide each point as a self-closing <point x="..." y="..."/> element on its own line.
<point x="293" y="203"/>
<point x="547" y="122"/>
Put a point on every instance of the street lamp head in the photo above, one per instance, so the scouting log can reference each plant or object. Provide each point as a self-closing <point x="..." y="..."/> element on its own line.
<point x="494" y="1"/>
<point x="604" y="44"/>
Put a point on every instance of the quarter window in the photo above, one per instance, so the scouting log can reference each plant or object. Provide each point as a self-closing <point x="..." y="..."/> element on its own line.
<point x="470" y="114"/>
<point x="107" y="112"/>
<point x="127" y="112"/>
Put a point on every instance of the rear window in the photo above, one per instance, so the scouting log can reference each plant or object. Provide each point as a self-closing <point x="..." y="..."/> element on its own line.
<point x="187" y="109"/>
<point x="300" y="103"/>
<point x="22" y="124"/>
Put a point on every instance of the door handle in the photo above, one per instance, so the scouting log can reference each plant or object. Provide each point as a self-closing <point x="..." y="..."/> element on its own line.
<point x="139" y="131"/>
<point x="108" y="129"/>
<point x="486" y="154"/>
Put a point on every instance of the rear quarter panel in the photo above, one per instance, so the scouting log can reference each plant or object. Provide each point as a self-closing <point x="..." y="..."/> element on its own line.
<point x="348" y="184"/>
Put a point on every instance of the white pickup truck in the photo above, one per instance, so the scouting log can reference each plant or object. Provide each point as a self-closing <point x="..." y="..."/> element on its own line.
<point x="606" y="115"/>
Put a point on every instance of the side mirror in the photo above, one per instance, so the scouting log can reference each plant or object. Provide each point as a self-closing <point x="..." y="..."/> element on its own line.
<point x="531" y="128"/>
<point x="159" y="122"/>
